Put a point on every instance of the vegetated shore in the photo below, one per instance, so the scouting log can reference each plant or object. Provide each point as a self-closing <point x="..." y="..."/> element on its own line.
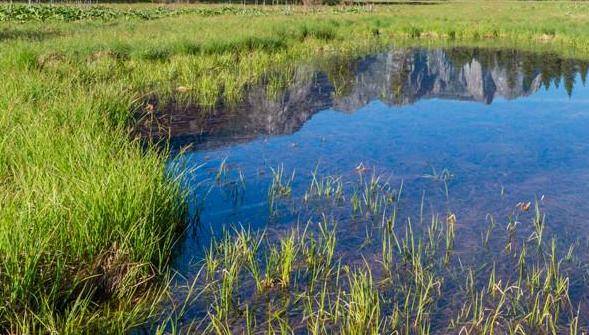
<point x="89" y="216"/>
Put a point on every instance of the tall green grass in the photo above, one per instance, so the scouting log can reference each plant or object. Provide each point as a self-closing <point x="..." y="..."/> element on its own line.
<point x="89" y="215"/>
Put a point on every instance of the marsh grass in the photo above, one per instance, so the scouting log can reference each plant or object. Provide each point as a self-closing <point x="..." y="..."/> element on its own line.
<point x="329" y="187"/>
<point x="90" y="216"/>
<point x="444" y="176"/>
<point x="78" y="226"/>
<point x="280" y="187"/>
<point x="412" y="283"/>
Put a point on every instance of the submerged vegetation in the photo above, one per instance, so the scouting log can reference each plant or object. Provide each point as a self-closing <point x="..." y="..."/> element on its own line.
<point x="89" y="215"/>
<point x="409" y="279"/>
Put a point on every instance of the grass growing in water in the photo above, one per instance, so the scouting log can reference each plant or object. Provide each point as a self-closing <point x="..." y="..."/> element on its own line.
<point x="89" y="216"/>
<point x="418" y="285"/>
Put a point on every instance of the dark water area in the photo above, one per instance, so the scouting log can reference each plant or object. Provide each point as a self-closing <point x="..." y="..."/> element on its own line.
<point x="472" y="132"/>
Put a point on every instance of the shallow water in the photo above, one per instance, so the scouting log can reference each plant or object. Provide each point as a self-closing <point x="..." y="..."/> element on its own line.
<point x="502" y="126"/>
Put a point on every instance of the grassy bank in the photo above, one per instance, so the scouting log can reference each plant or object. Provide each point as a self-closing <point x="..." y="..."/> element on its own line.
<point x="89" y="216"/>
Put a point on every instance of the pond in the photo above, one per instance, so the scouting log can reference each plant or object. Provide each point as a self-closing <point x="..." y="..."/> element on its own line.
<point x="440" y="176"/>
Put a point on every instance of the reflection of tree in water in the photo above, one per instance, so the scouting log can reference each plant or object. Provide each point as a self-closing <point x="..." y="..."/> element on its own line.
<point x="550" y="66"/>
<point x="284" y="100"/>
<point x="569" y="73"/>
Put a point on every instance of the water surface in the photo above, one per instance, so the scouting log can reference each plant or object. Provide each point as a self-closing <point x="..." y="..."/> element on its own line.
<point x="466" y="131"/>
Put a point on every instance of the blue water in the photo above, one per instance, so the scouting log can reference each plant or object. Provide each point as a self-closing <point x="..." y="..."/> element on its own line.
<point x="502" y="144"/>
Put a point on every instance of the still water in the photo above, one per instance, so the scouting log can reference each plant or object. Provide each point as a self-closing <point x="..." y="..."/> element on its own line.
<point x="468" y="131"/>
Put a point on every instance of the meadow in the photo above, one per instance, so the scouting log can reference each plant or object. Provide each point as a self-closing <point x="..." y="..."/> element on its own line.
<point x="89" y="215"/>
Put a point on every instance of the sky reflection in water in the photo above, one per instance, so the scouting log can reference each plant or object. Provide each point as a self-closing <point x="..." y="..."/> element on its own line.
<point x="509" y="126"/>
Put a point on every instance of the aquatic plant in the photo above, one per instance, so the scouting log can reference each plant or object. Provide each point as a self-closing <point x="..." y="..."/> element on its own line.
<point x="443" y="176"/>
<point x="360" y="308"/>
<point x="308" y="281"/>
<point x="329" y="187"/>
<point x="280" y="186"/>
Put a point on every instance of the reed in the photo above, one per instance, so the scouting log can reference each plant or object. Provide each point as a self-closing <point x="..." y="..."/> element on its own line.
<point x="330" y="187"/>
<point x="280" y="187"/>
<point x="360" y="309"/>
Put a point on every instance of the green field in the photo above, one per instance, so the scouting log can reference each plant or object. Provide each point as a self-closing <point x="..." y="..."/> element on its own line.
<point x="88" y="215"/>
